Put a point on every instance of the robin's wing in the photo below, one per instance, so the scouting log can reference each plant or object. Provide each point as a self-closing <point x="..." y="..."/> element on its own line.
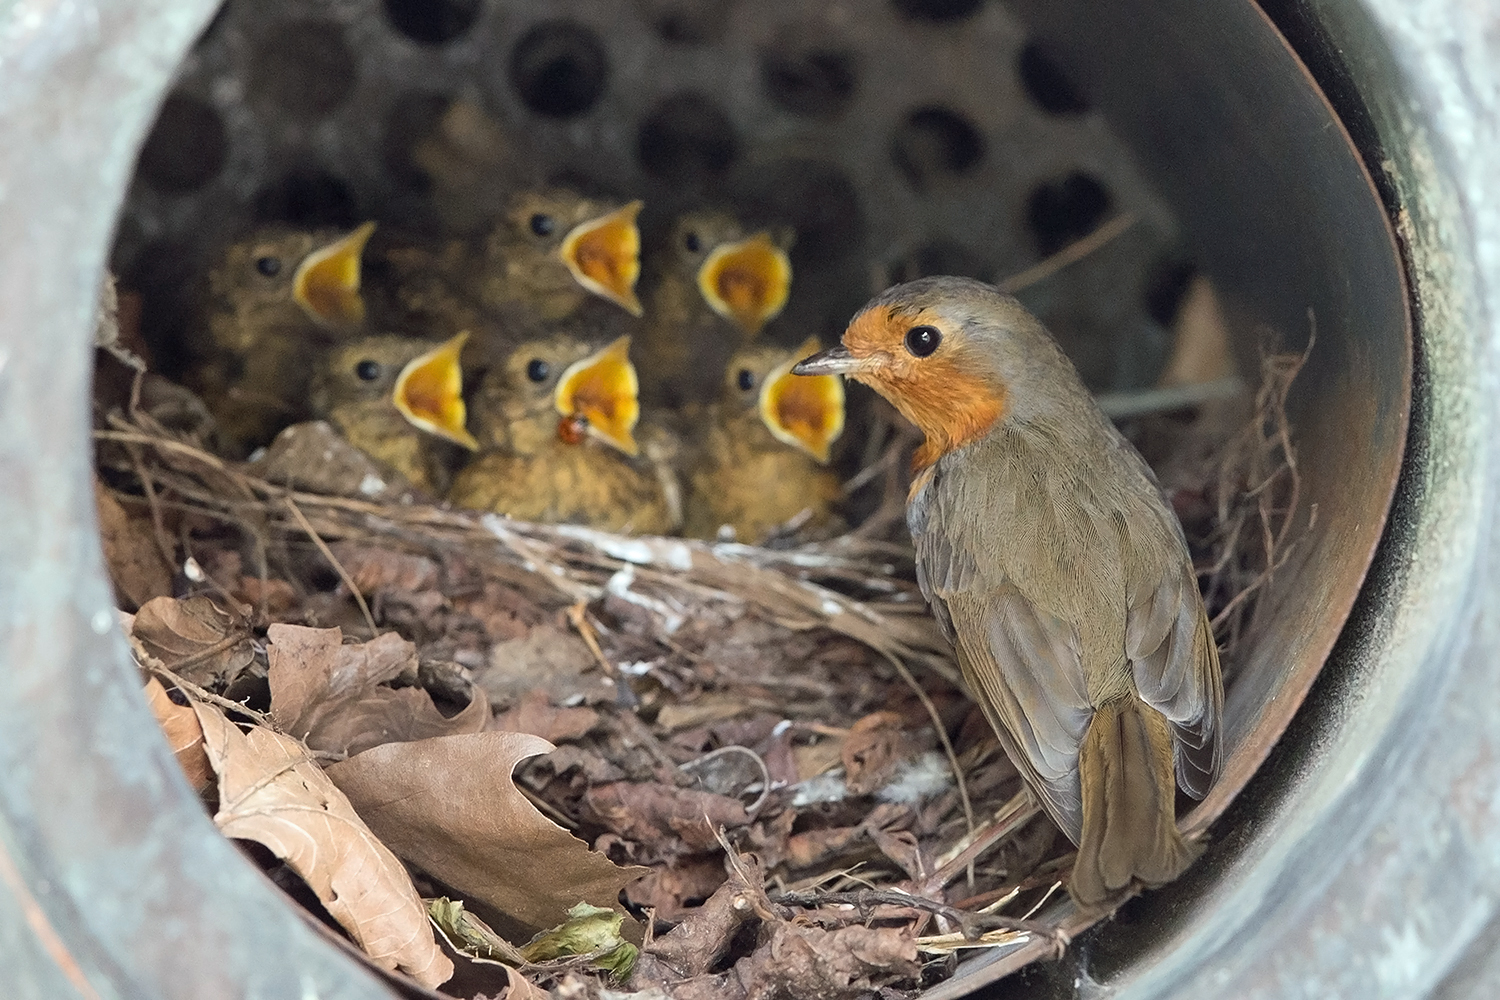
<point x="1021" y="665"/>
<point x="1176" y="665"/>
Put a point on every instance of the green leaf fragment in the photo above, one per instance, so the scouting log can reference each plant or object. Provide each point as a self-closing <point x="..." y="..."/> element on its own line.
<point x="589" y="930"/>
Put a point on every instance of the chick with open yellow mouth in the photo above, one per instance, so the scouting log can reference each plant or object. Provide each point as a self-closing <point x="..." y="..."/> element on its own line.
<point x="400" y="401"/>
<point x="710" y="289"/>
<point x="273" y="303"/>
<point x="762" y="464"/>
<point x="556" y="426"/>
<point x="554" y="250"/>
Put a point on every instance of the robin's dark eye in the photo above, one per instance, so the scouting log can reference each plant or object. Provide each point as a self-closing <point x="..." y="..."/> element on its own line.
<point x="269" y="266"/>
<point x="368" y="370"/>
<point x="692" y="242"/>
<point x="746" y="380"/>
<point x="538" y="370"/>
<point x="923" y="340"/>
<point x="542" y="224"/>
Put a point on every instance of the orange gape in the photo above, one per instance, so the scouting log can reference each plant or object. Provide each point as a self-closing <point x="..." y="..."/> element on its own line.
<point x="1057" y="571"/>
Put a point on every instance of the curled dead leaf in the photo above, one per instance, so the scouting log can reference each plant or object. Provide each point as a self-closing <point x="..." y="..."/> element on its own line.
<point x="663" y="815"/>
<point x="873" y="750"/>
<point x="194" y="637"/>
<point x="449" y="805"/>
<point x="179" y="724"/>
<point x="272" y="792"/>
<point x="335" y="697"/>
<point x="137" y="567"/>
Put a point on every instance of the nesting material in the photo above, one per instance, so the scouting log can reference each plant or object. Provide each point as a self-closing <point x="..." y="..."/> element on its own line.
<point x="753" y="767"/>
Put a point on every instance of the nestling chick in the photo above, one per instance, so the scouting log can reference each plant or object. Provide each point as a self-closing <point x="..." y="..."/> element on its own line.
<point x="552" y="249"/>
<point x="762" y="461"/>
<point x="1055" y="567"/>
<point x="400" y="401"/>
<point x="712" y="289"/>
<point x="275" y="301"/>
<point x="556" y="424"/>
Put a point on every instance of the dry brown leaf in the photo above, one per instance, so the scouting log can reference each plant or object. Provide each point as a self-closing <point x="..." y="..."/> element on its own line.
<point x="449" y="806"/>
<point x="535" y="714"/>
<point x="137" y="567"/>
<point x="193" y="637"/>
<point x="335" y="697"/>
<point x="375" y="568"/>
<point x="272" y="792"/>
<point x="676" y="891"/>
<point x="872" y="751"/>
<point x="663" y="816"/>
<point x="549" y="659"/>
<point x="179" y="724"/>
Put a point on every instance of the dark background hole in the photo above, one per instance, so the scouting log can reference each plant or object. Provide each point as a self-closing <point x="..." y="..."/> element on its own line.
<point x="1166" y="285"/>
<point x="186" y="147"/>
<point x="938" y="10"/>
<point x="432" y="22"/>
<point x="1060" y="212"/>
<point x="935" y="144"/>
<point x="309" y="198"/>
<point x="1047" y="84"/>
<point x="942" y="256"/>
<point x="812" y="197"/>
<point x="685" y="22"/>
<point x="303" y="68"/>
<point x="559" y="69"/>
<point x="686" y="136"/>
<point x="816" y="81"/>
<point x="411" y="119"/>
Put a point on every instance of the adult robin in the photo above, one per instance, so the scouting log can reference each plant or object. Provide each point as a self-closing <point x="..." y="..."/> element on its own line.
<point x="1056" y="569"/>
<point x="711" y="288"/>
<point x="274" y="302"/>
<point x="763" y="459"/>
<point x="556" y="426"/>
<point x="400" y="401"/>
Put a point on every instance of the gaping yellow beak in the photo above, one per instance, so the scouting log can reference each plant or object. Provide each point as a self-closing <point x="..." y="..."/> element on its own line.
<point x="604" y="255"/>
<point x="429" y="393"/>
<point x="326" y="285"/>
<point x="805" y="412"/>
<point x="747" y="282"/>
<point x="601" y="390"/>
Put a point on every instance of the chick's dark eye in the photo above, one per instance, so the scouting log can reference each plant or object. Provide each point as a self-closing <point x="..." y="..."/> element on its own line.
<point x="269" y="266"/>
<point x="923" y="340"/>
<point x="542" y="224"/>
<point x="368" y="370"/>
<point x="538" y="370"/>
<point x="746" y="380"/>
<point x="692" y="242"/>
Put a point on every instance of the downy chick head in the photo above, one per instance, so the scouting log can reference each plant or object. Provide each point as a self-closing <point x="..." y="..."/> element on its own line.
<point x="560" y="391"/>
<point x="553" y="246"/>
<point x="745" y="278"/>
<point x="383" y="384"/>
<point x="762" y="398"/>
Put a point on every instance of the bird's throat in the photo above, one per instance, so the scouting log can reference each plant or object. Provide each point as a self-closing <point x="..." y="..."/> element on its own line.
<point x="952" y="407"/>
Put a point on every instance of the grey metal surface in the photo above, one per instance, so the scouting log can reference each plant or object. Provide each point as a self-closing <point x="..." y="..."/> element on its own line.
<point x="790" y="113"/>
<point x="113" y="882"/>
<point x="1364" y="861"/>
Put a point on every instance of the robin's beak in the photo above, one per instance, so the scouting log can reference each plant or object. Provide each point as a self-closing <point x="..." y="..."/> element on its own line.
<point x="429" y="393"/>
<point x="747" y="282"/>
<point x="604" y="255"/>
<point x="834" y="361"/>
<point x="601" y="390"/>
<point x="806" y="413"/>
<point x="326" y="284"/>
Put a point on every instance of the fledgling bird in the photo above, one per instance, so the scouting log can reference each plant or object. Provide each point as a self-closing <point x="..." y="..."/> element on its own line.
<point x="556" y="425"/>
<point x="763" y="460"/>
<point x="711" y="290"/>
<point x="274" y="302"/>
<point x="400" y="401"/>
<point x="1054" y="565"/>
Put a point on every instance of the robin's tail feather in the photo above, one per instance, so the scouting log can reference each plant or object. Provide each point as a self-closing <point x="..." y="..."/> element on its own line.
<point x="1129" y="818"/>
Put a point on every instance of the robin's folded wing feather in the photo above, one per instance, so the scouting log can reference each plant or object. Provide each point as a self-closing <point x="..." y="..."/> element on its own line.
<point x="1175" y="662"/>
<point x="1025" y="669"/>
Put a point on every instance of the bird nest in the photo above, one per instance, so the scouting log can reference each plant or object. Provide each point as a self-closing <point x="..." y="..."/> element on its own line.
<point x="768" y="749"/>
